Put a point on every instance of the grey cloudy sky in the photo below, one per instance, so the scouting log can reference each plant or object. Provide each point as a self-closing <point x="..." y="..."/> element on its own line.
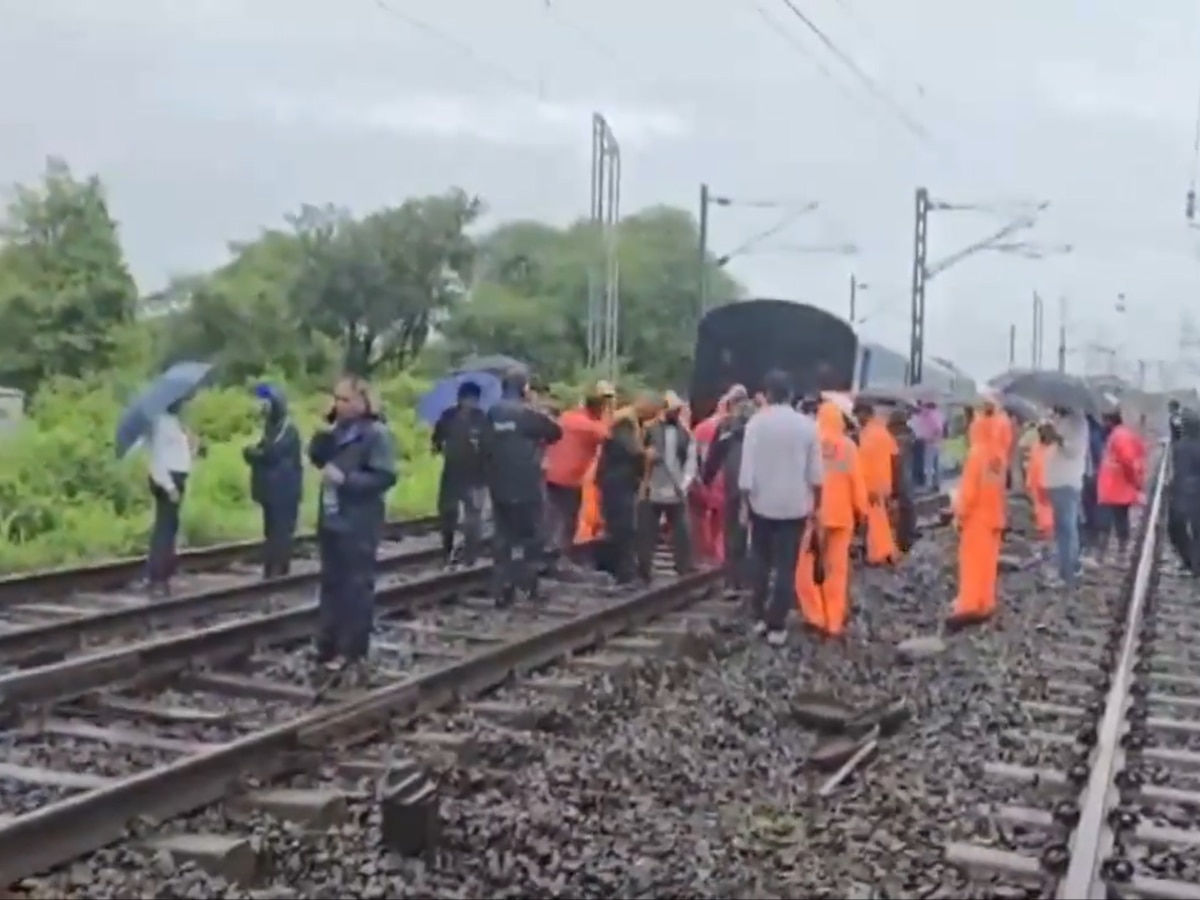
<point x="211" y="118"/>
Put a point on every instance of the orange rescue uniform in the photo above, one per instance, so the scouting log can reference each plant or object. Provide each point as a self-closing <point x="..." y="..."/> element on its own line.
<point x="877" y="452"/>
<point x="1035" y="487"/>
<point x="980" y="511"/>
<point x="843" y="502"/>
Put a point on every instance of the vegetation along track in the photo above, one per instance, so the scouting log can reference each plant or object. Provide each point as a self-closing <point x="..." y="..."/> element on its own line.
<point x="220" y="711"/>
<point x="47" y="620"/>
<point x="1111" y="717"/>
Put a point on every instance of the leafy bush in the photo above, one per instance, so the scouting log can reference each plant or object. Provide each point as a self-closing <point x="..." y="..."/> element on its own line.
<point x="65" y="498"/>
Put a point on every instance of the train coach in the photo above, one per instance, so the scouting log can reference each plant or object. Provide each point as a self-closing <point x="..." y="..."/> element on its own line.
<point x="880" y="367"/>
<point x="741" y="342"/>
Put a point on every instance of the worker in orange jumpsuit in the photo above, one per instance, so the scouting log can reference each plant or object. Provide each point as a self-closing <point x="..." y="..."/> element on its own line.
<point x="590" y="525"/>
<point x="844" y="502"/>
<point x="980" y="513"/>
<point x="1035" y="485"/>
<point x="1005" y="435"/>
<point x="566" y="465"/>
<point x="878" y="455"/>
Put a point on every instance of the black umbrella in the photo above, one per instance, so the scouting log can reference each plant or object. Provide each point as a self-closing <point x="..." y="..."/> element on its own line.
<point x="1024" y="409"/>
<point x="1053" y="389"/>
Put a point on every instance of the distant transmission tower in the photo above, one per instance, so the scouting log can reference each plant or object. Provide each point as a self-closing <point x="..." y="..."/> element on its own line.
<point x="604" y="272"/>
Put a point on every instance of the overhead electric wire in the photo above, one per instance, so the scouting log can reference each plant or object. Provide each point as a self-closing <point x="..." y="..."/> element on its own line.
<point x="912" y="125"/>
<point x="465" y="49"/>
<point x="597" y="46"/>
<point x="792" y="41"/>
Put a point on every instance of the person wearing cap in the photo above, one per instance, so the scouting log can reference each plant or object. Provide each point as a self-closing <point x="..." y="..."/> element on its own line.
<point x="671" y="471"/>
<point x="568" y="462"/>
<point x="276" y="479"/>
<point x="518" y="437"/>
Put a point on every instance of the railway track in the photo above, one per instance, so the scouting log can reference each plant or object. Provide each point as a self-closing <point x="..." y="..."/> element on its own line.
<point x="35" y="631"/>
<point x="198" y="730"/>
<point x="1100" y="794"/>
<point x="98" y="745"/>
<point x="199" y="567"/>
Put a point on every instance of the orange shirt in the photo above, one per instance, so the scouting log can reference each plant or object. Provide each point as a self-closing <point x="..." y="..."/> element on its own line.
<point x="567" y="460"/>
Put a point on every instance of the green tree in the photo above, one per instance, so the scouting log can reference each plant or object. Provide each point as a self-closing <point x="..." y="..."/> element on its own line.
<point x="378" y="285"/>
<point x="530" y="297"/>
<point x="241" y="317"/>
<point x="66" y="295"/>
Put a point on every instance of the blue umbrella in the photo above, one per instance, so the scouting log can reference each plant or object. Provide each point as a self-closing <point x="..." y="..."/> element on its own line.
<point x="177" y="383"/>
<point x="444" y="394"/>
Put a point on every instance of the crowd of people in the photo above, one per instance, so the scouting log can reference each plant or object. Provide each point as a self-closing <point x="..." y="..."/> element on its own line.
<point x="774" y="488"/>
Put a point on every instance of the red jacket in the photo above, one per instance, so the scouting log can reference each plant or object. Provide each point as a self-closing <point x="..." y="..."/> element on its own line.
<point x="1122" y="468"/>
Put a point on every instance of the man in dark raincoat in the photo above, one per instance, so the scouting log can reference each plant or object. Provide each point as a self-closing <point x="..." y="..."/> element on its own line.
<point x="1174" y="419"/>
<point x="1183" y="523"/>
<point x="725" y="458"/>
<point x="517" y="438"/>
<point x="620" y="479"/>
<point x="276" y="480"/>
<point x="460" y="436"/>
<point x="357" y="459"/>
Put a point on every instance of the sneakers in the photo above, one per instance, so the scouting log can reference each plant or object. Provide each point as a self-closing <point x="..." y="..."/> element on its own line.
<point x="777" y="638"/>
<point x="760" y="628"/>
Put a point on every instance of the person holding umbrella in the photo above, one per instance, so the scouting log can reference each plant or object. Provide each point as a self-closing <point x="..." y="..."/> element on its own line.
<point x="170" y="452"/>
<point x="357" y="459"/>
<point x="152" y="420"/>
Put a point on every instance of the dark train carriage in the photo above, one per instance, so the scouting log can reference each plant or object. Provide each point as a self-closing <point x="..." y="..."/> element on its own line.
<point x="741" y="342"/>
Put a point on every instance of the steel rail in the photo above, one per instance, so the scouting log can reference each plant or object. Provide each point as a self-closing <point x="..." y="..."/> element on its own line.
<point x="63" y="831"/>
<point x="1091" y="841"/>
<point x="115" y="573"/>
<point x="43" y="642"/>
<point x="155" y="657"/>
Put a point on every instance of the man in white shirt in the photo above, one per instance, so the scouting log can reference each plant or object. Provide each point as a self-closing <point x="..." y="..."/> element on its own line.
<point x="170" y="451"/>
<point x="1066" y="464"/>
<point x="780" y="482"/>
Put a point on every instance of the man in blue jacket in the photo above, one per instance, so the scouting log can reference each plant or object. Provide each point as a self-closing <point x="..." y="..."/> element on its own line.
<point x="357" y="459"/>
<point x="276" y="480"/>
<point x="517" y="435"/>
